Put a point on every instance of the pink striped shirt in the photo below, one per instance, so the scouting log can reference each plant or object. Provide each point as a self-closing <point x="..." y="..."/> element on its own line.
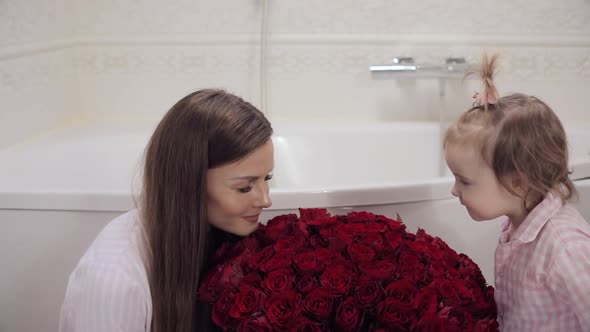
<point x="542" y="271"/>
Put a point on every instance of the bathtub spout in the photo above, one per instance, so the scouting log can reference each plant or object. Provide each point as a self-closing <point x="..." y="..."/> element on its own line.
<point x="406" y="67"/>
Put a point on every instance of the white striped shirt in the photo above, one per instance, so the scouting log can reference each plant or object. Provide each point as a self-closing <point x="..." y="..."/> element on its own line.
<point x="542" y="271"/>
<point x="109" y="289"/>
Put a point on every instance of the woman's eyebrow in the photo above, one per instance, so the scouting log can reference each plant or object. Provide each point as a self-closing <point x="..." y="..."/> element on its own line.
<point x="246" y="177"/>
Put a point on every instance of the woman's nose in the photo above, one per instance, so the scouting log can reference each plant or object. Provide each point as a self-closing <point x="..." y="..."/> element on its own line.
<point x="263" y="199"/>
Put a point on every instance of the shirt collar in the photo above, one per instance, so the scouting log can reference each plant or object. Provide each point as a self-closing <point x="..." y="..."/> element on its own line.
<point x="534" y="221"/>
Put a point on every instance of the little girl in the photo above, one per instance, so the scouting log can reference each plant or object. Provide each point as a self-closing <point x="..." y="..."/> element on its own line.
<point x="509" y="157"/>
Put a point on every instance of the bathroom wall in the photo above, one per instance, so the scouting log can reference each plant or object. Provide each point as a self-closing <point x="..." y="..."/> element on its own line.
<point x="62" y="60"/>
<point x="38" y="86"/>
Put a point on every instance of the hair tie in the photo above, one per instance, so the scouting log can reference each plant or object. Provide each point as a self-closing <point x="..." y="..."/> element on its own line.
<point x="480" y="100"/>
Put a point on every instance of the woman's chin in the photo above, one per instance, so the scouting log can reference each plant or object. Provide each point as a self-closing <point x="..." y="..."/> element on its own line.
<point x="245" y="231"/>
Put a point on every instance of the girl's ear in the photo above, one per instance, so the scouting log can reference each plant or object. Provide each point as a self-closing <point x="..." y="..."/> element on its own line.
<point x="516" y="185"/>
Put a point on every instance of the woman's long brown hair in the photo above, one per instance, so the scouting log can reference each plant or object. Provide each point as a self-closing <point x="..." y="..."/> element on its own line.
<point x="205" y="129"/>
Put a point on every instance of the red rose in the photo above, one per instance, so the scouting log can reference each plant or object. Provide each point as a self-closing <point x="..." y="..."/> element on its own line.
<point x="488" y="325"/>
<point x="318" y="241"/>
<point x="461" y="289"/>
<point x="349" y="317"/>
<point x="313" y="215"/>
<point x="451" y="258"/>
<point x="305" y="325"/>
<point x="306" y="283"/>
<point x="393" y="225"/>
<point x="471" y="270"/>
<point x="445" y="289"/>
<point x="282" y="308"/>
<point x="359" y="252"/>
<point x="323" y="222"/>
<point x="210" y="288"/>
<point x="349" y="232"/>
<point x="489" y="300"/>
<point x="426" y="301"/>
<point x="318" y="303"/>
<point x="393" y="239"/>
<point x="277" y="227"/>
<point x="278" y="280"/>
<point x="368" y="293"/>
<point x="337" y="279"/>
<point x="361" y="217"/>
<point x="328" y="233"/>
<point x="436" y="270"/>
<point x="411" y="267"/>
<point x="280" y="260"/>
<point x="372" y="239"/>
<point x="254" y="324"/>
<point x="379" y="270"/>
<point x="457" y="318"/>
<point x="404" y="290"/>
<point x="247" y="301"/>
<point x="483" y="300"/>
<point x="259" y="258"/>
<point x="221" y="308"/>
<point x="293" y="241"/>
<point x="327" y="256"/>
<point x="338" y="245"/>
<point x="252" y="280"/>
<point x="431" y="322"/>
<point x="358" y="272"/>
<point x="395" y="315"/>
<point x="250" y="243"/>
<point x="216" y="280"/>
<point x="308" y="262"/>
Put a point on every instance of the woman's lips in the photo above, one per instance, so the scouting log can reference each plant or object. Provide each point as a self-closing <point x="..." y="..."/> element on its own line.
<point x="252" y="219"/>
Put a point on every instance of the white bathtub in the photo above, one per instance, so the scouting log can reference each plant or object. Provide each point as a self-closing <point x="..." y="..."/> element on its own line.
<point x="394" y="168"/>
<point x="59" y="189"/>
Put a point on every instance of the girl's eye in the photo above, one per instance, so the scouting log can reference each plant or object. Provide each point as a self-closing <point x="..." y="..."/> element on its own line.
<point x="268" y="177"/>
<point x="245" y="189"/>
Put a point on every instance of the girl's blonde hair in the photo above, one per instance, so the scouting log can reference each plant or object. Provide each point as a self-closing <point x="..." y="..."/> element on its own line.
<point x="520" y="138"/>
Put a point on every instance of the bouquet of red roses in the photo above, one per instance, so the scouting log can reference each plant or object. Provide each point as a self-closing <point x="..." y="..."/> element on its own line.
<point x="355" y="272"/>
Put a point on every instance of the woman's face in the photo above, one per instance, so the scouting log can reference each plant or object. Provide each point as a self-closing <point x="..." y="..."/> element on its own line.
<point x="237" y="192"/>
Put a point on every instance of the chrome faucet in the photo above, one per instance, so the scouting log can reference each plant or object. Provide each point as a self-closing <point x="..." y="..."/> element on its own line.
<point x="406" y="67"/>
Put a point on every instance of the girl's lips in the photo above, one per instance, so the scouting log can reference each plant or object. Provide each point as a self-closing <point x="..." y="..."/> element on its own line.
<point x="252" y="219"/>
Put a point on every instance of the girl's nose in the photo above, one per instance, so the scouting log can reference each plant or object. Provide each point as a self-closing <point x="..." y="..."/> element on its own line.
<point x="454" y="191"/>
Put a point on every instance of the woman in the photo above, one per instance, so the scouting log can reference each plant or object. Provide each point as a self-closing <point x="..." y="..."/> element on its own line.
<point x="205" y="178"/>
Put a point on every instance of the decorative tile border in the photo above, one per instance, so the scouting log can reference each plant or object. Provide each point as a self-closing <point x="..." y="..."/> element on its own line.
<point x="522" y="58"/>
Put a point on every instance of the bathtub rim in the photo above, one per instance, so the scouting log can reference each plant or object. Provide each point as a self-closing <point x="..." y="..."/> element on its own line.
<point x="283" y="199"/>
<point x="335" y="196"/>
<point x="437" y="189"/>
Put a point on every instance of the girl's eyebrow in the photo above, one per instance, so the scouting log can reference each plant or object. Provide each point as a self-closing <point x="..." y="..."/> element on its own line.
<point x="461" y="176"/>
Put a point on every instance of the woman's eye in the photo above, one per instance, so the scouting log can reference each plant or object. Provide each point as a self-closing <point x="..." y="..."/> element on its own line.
<point x="268" y="177"/>
<point x="245" y="190"/>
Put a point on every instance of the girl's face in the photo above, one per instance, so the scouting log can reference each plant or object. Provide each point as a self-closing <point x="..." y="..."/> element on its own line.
<point x="237" y="192"/>
<point x="477" y="187"/>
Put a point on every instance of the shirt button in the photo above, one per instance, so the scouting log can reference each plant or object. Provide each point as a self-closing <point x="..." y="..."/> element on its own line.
<point x="500" y="273"/>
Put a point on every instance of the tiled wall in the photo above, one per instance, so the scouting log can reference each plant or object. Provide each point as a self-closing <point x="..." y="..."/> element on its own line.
<point x="38" y="84"/>
<point x="63" y="58"/>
